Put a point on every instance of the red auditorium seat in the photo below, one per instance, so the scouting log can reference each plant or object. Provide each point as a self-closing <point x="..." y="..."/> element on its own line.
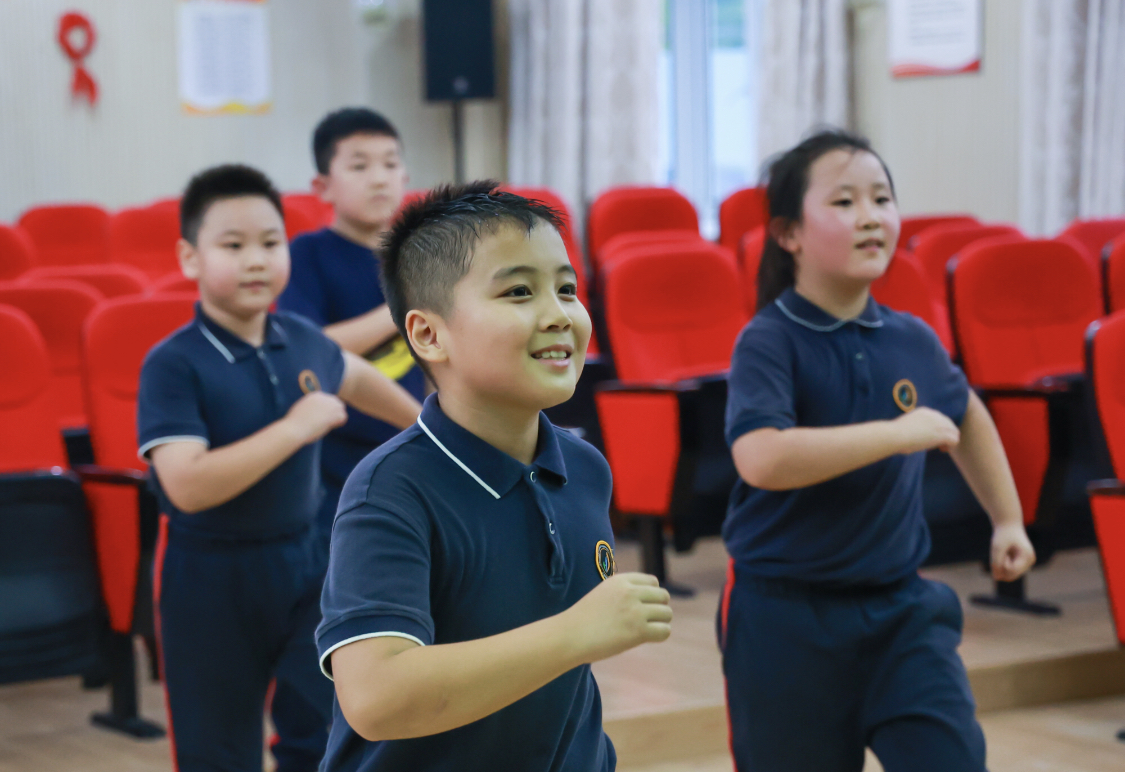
<point x="749" y="259"/>
<point x="904" y="288"/>
<point x="117" y="337"/>
<point x="59" y="309"/>
<point x="624" y="209"/>
<point x="68" y="234"/>
<point x="741" y="212"/>
<point x="298" y="220"/>
<point x="1095" y="235"/>
<point x="110" y="280"/>
<point x="623" y="243"/>
<point x="17" y="251"/>
<point x="174" y="283"/>
<point x="145" y="238"/>
<point x="939" y="243"/>
<point x="912" y="226"/>
<point x="1113" y="272"/>
<point x="59" y="628"/>
<point x="311" y="206"/>
<point x="1105" y="371"/>
<point x="672" y="313"/>
<point x="1020" y="310"/>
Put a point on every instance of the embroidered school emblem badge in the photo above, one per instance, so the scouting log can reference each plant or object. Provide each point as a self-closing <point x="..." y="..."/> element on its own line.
<point x="906" y="396"/>
<point x="309" y="382"/>
<point x="603" y="556"/>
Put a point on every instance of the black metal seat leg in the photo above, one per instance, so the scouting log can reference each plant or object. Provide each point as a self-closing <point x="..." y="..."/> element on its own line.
<point x="124" y="715"/>
<point x="651" y="531"/>
<point x="1012" y="596"/>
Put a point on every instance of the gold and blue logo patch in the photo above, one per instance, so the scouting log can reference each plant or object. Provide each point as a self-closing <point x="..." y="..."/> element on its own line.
<point x="603" y="556"/>
<point x="309" y="382"/>
<point x="906" y="396"/>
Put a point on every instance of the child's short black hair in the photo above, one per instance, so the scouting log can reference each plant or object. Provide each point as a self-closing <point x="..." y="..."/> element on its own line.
<point x="342" y="124"/>
<point x="216" y="184"/>
<point x="430" y="246"/>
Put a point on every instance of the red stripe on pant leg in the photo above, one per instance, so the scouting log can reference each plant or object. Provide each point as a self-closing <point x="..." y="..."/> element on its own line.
<point x="157" y="583"/>
<point x="724" y="611"/>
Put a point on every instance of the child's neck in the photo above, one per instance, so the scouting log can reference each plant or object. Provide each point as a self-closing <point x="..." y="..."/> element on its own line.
<point x="841" y="300"/>
<point x="370" y="236"/>
<point x="508" y="428"/>
<point x="251" y="329"/>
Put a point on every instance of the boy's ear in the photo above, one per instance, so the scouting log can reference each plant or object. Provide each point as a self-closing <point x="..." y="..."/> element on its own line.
<point x="782" y="231"/>
<point x="189" y="259"/>
<point x="320" y="184"/>
<point x="425" y="332"/>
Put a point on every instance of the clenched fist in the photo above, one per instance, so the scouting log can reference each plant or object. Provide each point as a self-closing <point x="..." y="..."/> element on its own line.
<point x="624" y="611"/>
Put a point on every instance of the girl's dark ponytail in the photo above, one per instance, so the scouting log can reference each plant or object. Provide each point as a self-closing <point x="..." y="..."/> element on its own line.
<point x="787" y="181"/>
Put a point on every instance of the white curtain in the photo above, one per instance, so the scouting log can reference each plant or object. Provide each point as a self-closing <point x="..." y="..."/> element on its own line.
<point x="804" y="70"/>
<point x="584" y="95"/>
<point x="1072" y="151"/>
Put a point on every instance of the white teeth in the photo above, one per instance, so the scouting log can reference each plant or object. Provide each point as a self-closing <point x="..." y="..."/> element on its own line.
<point x="551" y="355"/>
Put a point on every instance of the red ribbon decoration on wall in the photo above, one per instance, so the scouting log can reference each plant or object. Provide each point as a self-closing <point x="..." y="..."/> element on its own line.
<point x="83" y="83"/>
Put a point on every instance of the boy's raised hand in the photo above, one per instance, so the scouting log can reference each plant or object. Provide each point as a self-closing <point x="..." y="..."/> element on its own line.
<point x="925" y="429"/>
<point x="1012" y="554"/>
<point x="624" y="611"/>
<point x="316" y="414"/>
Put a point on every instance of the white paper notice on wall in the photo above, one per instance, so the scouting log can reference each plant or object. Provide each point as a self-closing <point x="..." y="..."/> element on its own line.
<point x="933" y="37"/>
<point x="224" y="56"/>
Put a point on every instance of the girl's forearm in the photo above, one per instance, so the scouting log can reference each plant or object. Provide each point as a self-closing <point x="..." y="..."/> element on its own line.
<point x="980" y="457"/>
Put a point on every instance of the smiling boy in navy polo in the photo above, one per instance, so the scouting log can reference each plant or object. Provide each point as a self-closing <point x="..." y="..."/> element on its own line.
<point x="230" y="410"/>
<point x="335" y="281"/>
<point x="471" y="580"/>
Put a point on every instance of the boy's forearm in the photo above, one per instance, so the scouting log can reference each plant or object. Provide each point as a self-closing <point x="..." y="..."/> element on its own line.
<point x="216" y="476"/>
<point x="434" y="689"/>
<point x="800" y="456"/>
<point x="364" y="333"/>
<point x="980" y="457"/>
<point x="366" y="389"/>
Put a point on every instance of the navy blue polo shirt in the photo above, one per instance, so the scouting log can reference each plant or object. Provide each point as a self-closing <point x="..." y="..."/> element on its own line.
<point x="441" y="538"/>
<point x="796" y="365"/>
<point x="203" y="383"/>
<point x="334" y="279"/>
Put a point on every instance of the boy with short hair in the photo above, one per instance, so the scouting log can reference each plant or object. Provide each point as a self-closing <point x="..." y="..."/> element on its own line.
<point x="472" y="580"/>
<point x="335" y="280"/>
<point x="229" y="412"/>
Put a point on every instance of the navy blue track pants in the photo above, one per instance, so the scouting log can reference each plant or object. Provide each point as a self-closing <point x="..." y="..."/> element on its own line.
<point x="815" y="676"/>
<point x="234" y="616"/>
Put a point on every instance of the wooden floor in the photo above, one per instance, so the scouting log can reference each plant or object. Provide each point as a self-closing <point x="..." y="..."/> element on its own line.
<point x="44" y="727"/>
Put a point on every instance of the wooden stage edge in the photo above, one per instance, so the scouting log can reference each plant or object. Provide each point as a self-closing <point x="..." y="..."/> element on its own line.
<point x="702" y="731"/>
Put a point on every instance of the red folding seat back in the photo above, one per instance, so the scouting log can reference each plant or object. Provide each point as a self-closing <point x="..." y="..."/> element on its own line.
<point x="1020" y="311"/>
<point x="17" y="251"/>
<point x="109" y="280"/>
<point x="145" y="238"/>
<point x="904" y="288"/>
<point x="749" y="260"/>
<point x="312" y="206"/>
<point x="1114" y="272"/>
<point x="75" y="234"/>
<point x="673" y="311"/>
<point x="741" y="212"/>
<point x="934" y="247"/>
<point x="117" y="337"/>
<point x="912" y="226"/>
<point x="173" y="283"/>
<point x="29" y="437"/>
<point x="59" y="309"/>
<point x="1106" y="371"/>
<point x="298" y="220"/>
<point x="1095" y="235"/>
<point x="624" y="209"/>
<point x="624" y="243"/>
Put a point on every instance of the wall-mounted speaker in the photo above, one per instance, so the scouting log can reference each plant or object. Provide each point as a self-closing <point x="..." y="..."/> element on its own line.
<point x="457" y="41"/>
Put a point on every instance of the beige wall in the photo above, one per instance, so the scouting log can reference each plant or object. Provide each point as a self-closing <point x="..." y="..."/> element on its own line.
<point x="951" y="142"/>
<point x="137" y="143"/>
